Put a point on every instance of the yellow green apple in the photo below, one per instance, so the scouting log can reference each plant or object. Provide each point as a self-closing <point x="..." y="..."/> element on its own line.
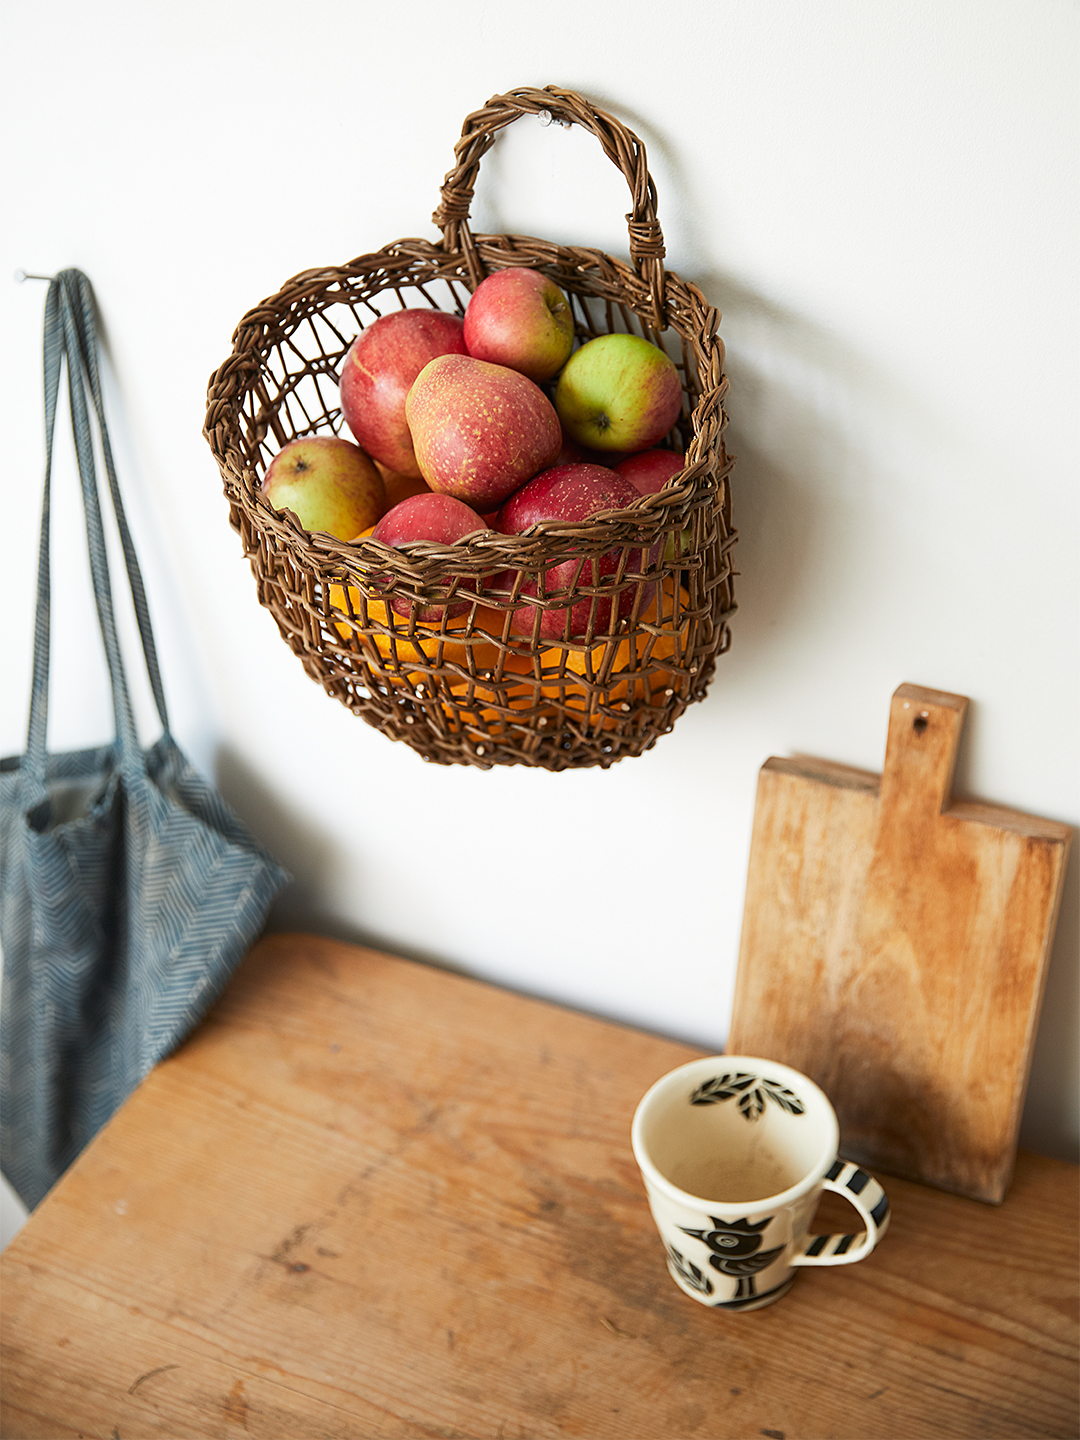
<point x="618" y="393"/>
<point x="328" y="483"/>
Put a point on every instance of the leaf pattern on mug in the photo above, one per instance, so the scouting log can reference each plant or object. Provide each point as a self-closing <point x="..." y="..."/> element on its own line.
<point x="695" y="1278"/>
<point x="751" y="1091"/>
<point x="782" y="1096"/>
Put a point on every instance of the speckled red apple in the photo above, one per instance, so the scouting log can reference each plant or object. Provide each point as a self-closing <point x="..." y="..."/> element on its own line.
<point x="479" y="430"/>
<point x="650" y="470"/>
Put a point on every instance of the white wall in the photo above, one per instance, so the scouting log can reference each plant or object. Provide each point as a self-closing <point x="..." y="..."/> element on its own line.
<point x="882" y="200"/>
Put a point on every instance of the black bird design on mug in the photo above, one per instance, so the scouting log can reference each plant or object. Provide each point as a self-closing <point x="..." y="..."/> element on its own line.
<point x="734" y="1245"/>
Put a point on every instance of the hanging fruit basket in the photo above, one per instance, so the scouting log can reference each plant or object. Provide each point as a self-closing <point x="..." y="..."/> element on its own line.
<point x="477" y="686"/>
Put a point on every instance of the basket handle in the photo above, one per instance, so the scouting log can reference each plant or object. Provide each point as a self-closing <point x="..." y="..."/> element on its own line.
<point x="620" y="145"/>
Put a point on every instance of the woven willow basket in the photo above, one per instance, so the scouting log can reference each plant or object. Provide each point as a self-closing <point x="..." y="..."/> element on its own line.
<point x="469" y="690"/>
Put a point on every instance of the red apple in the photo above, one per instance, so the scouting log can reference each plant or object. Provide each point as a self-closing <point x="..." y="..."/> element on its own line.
<point x="381" y="365"/>
<point x="570" y="492"/>
<point x="618" y="393"/>
<point x="328" y="483"/>
<point x="650" y="470"/>
<point x="428" y="517"/>
<point x="571" y="453"/>
<point x="480" y="430"/>
<point x="521" y="319"/>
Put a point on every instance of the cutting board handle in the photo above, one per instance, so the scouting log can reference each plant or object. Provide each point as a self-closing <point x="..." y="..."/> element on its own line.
<point x="920" y="754"/>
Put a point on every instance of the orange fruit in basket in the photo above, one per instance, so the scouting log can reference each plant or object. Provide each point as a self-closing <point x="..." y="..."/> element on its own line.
<point x="642" y="649"/>
<point x="636" y="671"/>
<point x="489" y="705"/>
<point x="422" y="646"/>
<point x="489" y="710"/>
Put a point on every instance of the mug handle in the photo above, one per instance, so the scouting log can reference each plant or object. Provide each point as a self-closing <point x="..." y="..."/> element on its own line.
<point x="864" y="1192"/>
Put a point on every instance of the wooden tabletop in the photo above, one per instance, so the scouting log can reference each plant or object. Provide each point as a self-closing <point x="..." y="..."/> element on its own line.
<point x="370" y="1198"/>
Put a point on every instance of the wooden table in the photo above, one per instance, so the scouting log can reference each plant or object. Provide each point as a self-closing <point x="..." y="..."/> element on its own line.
<point x="370" y="1198"/>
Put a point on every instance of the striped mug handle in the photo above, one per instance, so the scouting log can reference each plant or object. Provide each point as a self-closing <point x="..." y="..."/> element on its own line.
<point x="869" y="1199"/>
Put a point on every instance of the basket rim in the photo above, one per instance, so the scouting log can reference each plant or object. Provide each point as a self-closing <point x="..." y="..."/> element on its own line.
<point x="493" y="548"/>
<point x="480" y="552"/>
<point x="504" y="246"/>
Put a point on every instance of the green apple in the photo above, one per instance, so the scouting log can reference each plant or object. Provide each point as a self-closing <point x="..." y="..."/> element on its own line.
<point x="328" y="483"/>
<point x="618" y="393"/>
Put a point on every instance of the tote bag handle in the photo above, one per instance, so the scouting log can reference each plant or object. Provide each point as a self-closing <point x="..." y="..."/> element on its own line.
<point x="71" y="331"/>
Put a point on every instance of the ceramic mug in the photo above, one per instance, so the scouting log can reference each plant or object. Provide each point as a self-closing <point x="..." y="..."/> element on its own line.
<point x="735" y="1152"/>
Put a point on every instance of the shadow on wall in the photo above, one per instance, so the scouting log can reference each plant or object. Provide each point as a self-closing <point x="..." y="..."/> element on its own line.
<point x="317" y="866"/>
<point x="1050" y="1111"/>
<point x="803" y="403"/>
<point x="820" y="434"/>
<point x="314" y="860"/>
<point x="813" y="427"/>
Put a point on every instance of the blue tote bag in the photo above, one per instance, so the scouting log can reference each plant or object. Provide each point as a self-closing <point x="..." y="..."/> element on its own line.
<point x="129" y="891"/>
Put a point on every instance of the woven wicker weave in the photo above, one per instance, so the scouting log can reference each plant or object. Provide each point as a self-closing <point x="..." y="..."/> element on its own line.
<point x="468" y="691"/>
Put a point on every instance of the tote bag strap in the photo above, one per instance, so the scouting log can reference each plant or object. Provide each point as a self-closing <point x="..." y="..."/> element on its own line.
<point x="70" y="331"/>
<point x="33" y="768"/>
<point x="82" y="296"/>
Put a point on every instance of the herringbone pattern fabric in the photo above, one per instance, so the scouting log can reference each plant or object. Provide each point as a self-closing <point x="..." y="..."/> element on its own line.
<point x="129" y="890"/>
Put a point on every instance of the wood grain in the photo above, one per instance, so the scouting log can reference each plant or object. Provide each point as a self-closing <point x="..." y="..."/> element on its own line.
<point x="372" y="1199"/>
<point x="894" y="948"/>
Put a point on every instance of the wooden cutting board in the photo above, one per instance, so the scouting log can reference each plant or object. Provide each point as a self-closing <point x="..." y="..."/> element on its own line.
<point x="894" y="948"/>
